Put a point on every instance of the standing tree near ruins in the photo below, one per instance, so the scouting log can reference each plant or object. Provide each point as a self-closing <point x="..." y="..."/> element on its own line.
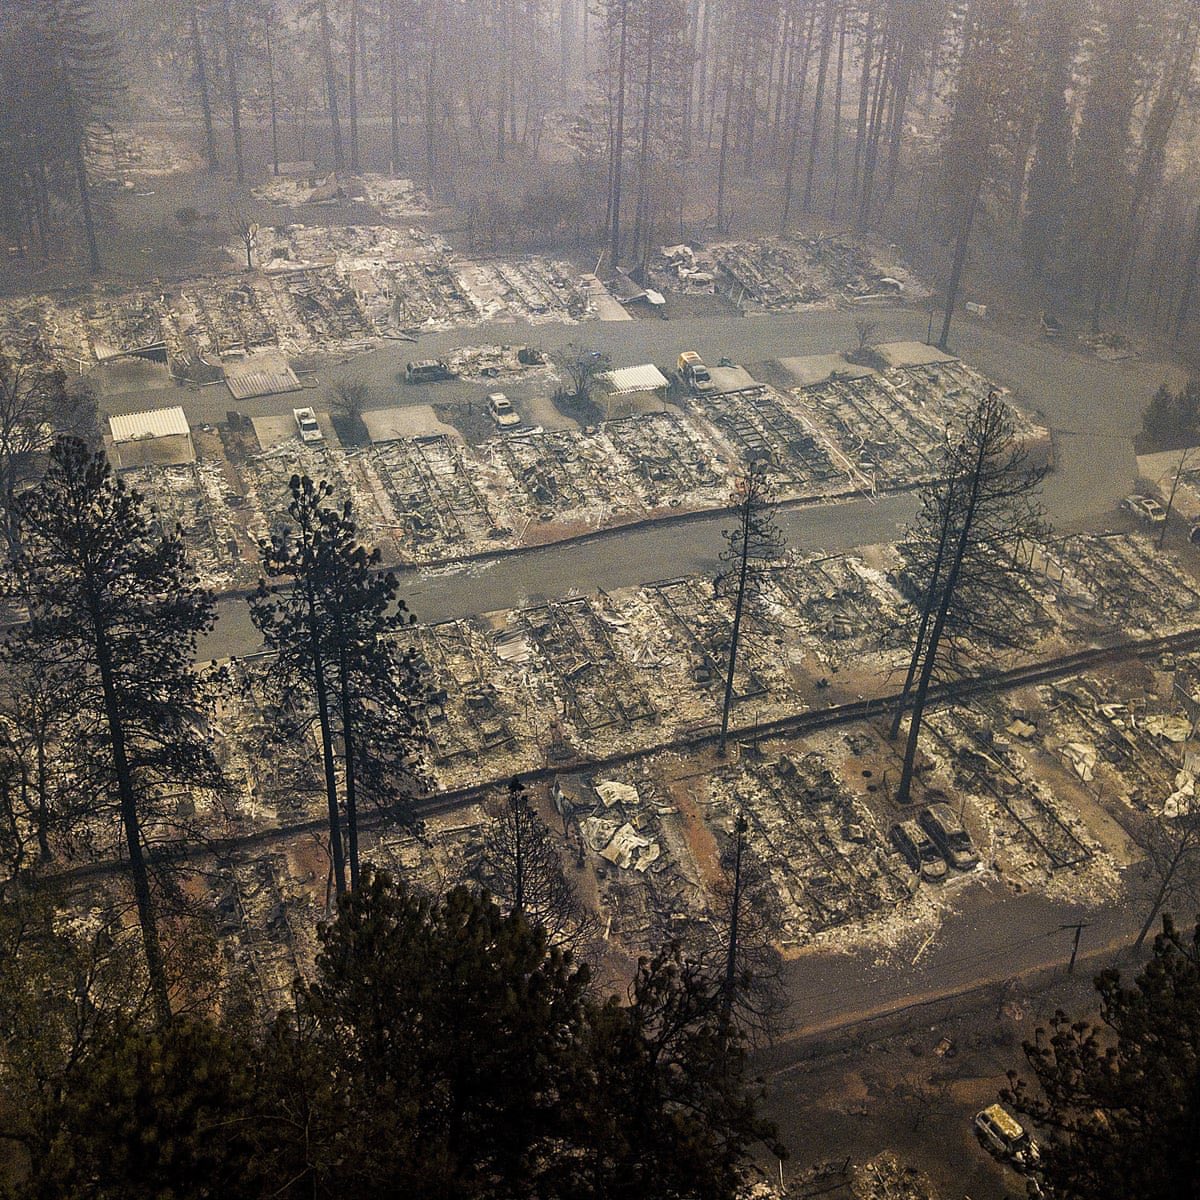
<point x="36" y="405"/>
<point x="522" y="869"/>
<point x="331" y="620"/>
<point x="752" y="547"/>
<point x="581" y="368"/>
<point x="988" y="90"/>
<point x="962" y="560"/>
<point x="59" y="76"/>
<point x="115" y="613"/>
<point x="744" y="936"/>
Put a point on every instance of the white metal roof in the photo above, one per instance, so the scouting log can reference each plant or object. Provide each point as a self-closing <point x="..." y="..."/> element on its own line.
<point x="646" y="378"/>
<point x="157" y="422"/>
<point x="253" y="381"/>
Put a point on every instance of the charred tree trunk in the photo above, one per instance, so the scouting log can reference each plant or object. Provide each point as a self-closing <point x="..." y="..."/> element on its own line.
<point x="393" y="85"/>
<point x="874" y="131"/>
<point x="267" y="19"/>
<point x="235" y="100"/>
<point x="818" y="101"/>
<point x="85" y="200"/>
<point x="431" y="82"/>
<point x="729" y="985"/>
<point x="864" y="103"/>
<point x="348" y="752"/>
<point x="927" y="608"/>
<point x="929" y="662"/>
<point x="321" y="688"/>
<point x="796" y="108"/>
<point x="618" y="149"/>
<point x="131" y="824"/>
<point x="640" y="220"/>
<point x="202" y="84"/>
<point x="960" y="261"/>
<point x="331" y="96"/>
<point x="352" y="95"/>
<point x="836" y="148"/>
<point x="736" y="631"/>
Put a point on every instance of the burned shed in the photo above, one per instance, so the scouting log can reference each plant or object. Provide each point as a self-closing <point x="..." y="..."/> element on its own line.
<point x="159" y="437"/>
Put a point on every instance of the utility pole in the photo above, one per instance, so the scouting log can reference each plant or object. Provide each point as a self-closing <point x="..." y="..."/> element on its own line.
<point x="1079" y="927"/>
<point x="1162" y="535"/>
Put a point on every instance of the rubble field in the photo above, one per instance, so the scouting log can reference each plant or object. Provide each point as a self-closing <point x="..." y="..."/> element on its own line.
<point x="392" y="199"/>
<point x="433" y="498"/>
<point x="790" y="273"/>
<point x="120" y="155"/>
<point x="646" y="839"/>
<point x="1046" y="780"/>
<point x="315" y="289"/>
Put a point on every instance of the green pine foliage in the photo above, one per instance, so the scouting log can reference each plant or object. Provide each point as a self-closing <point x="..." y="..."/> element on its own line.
<point x="443" y="1049"/>
<point x="1117" y="1102"/>
<point x="1171" y="420"/>
<point x="331" y="615"/>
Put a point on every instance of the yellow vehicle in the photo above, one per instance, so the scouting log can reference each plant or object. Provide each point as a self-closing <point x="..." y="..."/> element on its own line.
<point x="1003" y="1134"/>
<point x="694" y="373"/>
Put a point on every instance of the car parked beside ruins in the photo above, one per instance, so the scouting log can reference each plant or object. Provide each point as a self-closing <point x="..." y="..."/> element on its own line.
<point x="306" y="423"/>
<point x="1002" y="1134"/>
<point x="953" y="842"/>
<point x="501" y="410"/>
<point x="427" y="370"/>
<point x="1147" y="508"/>
<point x="918" y="850"/>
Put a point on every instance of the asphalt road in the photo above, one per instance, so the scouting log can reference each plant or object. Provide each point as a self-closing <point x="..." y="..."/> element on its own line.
<point x="612" y="560"/>
<point x="988" y="936"/>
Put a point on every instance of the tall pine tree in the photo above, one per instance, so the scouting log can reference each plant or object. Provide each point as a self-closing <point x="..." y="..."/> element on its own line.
<point x="115" y="612"/>
<point x="331" y="618"/>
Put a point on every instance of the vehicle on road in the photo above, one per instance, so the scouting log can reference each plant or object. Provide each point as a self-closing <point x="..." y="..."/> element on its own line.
<point x="695" y="374"/>
<point x="427" y="370"/>
<point x="1003" y="1135"/>
<point x="945" y="829"/>
<point x="306" y="422"/>
<point x="1145" y="507"/>
<point x="918" y="850"/>
<point x="501" y="410"/>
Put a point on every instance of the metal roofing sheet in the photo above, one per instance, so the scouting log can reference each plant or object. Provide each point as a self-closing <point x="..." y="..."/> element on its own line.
<point x="646" y="378"/>
<point x="261" y="381"/>
<point x="157" y="422"/>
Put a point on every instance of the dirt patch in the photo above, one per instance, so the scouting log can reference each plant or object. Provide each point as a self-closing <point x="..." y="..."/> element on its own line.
<point x="700" y="840"/>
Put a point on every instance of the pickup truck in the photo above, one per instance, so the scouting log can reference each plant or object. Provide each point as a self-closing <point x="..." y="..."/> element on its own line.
<point x="306" y="422"/>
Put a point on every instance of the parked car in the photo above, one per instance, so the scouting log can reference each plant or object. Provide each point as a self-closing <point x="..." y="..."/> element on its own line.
<point x="695" y="374"/>
<point x="942" y="824"/>
<point x="1145" y="507"/>
<point x="306" y="422"/>
<point x="919" y="852"/>
<point x="1004" y="1135"/>
<point x="427" y="370"/>
<point x="501" y="410"/>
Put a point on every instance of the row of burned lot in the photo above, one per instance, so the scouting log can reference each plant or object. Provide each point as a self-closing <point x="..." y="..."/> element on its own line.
<point x="346" y="290"/>
<point x="435" y="498"/>
<point x="332" y="289"/>
<point x="1054" y="784"/>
